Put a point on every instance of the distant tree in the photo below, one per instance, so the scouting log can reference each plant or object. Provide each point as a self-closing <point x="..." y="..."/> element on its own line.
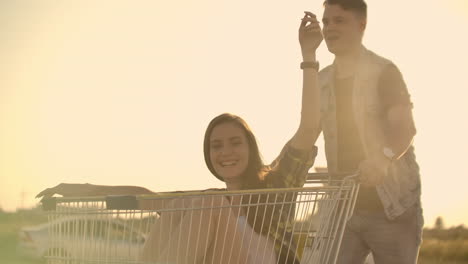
<point x="439" y="223"/>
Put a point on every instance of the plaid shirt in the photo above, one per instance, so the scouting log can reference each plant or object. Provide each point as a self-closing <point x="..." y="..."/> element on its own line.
<point x="289" y="170"/>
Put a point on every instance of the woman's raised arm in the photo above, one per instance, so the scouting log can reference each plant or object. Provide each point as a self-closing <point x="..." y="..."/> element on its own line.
<point x="310" y="37"/>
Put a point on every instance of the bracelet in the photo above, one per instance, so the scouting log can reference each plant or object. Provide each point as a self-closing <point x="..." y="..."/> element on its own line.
<point x="310" y="64"/>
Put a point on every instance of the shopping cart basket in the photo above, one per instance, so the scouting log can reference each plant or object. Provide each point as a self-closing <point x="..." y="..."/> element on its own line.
<point x="192" y="226"/>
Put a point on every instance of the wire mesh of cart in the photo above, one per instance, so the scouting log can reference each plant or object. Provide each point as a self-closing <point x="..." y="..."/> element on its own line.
<point x="287" y="225"/>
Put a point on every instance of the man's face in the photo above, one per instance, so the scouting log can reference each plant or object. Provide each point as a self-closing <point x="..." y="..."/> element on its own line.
<point x="342" y="29"/>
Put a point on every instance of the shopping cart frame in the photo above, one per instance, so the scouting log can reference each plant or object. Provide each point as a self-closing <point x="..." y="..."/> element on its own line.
<point x="330" y="198"/>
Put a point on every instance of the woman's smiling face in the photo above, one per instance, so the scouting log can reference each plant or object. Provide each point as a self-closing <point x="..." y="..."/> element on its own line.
<point x="229" y="150"/>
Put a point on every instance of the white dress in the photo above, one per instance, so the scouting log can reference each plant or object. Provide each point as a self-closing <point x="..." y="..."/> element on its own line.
<point x="261" y="249"/>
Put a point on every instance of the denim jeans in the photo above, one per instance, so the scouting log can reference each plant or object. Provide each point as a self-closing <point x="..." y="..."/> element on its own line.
<point x="390" y="241"/>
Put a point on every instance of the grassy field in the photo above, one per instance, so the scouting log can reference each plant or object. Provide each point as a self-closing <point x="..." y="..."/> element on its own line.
<point x="444" y="251"/>
<point x="10" y="224"/>
<point x="439" y="247"/>
<point x="434" y="261"/>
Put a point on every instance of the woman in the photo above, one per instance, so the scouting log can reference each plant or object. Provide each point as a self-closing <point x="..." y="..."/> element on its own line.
<point x="232" y="155"/>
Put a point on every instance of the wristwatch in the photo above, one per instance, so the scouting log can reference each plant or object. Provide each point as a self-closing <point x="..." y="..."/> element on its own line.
<point x="310" y="64"/>
<point x="388" y="153"/>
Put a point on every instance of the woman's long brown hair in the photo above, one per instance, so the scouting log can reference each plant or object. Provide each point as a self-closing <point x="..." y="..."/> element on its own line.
<point x="254" y="177"/>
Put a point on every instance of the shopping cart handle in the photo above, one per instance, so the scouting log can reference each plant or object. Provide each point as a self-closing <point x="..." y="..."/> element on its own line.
<point x="326" y="175"/>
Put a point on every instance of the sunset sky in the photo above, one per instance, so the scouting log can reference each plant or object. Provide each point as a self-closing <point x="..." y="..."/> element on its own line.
<point x="120" y="92"/>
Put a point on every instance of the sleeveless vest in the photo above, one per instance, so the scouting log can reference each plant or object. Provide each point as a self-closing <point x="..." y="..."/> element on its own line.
<point x="401" y="187"/>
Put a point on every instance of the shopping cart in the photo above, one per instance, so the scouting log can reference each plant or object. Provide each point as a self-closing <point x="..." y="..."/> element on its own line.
<point x="305" y="224"/>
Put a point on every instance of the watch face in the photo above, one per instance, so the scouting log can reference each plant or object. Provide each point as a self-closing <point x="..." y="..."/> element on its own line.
<point x="388" y="152"/>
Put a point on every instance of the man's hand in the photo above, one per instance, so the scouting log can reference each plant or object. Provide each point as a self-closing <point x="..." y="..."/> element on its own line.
<point x="310" y="36"/>
<point x="373" y="170"/>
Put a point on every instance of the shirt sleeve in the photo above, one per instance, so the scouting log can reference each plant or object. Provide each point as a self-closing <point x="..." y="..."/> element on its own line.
<point x="393" y="92"/>
<point x="392" y="88"/>
<point x="290" y="169"/>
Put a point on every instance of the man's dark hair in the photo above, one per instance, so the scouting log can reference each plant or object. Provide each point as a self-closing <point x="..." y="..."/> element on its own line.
<point x="358" y="6"/>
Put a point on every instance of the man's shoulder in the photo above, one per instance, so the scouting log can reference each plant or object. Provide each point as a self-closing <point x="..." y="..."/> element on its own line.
<point x="388" y="69"/>
<point x="368" y="57"/>
<point x="374" y="58"/>
<point x="370" y="62"/>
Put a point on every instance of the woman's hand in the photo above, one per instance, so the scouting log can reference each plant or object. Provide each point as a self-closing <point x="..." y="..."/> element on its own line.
<point x="69" y="189"/>
<point x="310" y="36"/>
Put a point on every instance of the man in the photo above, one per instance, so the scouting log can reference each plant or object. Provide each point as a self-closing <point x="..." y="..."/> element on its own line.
<point x="368" y="127"/>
